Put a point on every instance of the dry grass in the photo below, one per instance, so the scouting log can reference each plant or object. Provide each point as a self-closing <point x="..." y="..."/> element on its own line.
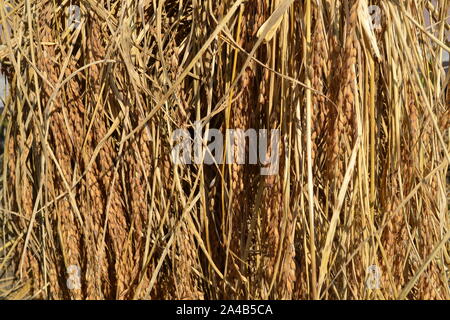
<point x="87" y="179"/>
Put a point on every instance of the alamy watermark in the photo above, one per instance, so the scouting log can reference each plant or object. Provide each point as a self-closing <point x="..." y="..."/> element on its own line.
<point x="208" y="148"/>
<point x="375" y="14"/>
<point x="74" y="17"/>
<point x="212" y="147"/>
<point x="73" y="281"/>
<point x="373" y="281"/>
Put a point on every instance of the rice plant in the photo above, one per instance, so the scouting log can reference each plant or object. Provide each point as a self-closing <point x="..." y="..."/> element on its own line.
<point x="92" y="206"/>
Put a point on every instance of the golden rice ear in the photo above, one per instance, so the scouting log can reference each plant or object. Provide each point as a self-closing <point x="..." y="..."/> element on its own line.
<point x="270" y="27"/>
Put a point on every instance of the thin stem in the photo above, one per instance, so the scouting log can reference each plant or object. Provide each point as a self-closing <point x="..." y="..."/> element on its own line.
<point x="309" y="152"/>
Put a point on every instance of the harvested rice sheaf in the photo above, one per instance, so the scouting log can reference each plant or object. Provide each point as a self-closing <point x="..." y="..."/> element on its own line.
<point x="93" y="205"/>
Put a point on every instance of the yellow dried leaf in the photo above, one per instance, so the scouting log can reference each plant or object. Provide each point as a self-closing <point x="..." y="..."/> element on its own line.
<point x="270" y="27"/>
